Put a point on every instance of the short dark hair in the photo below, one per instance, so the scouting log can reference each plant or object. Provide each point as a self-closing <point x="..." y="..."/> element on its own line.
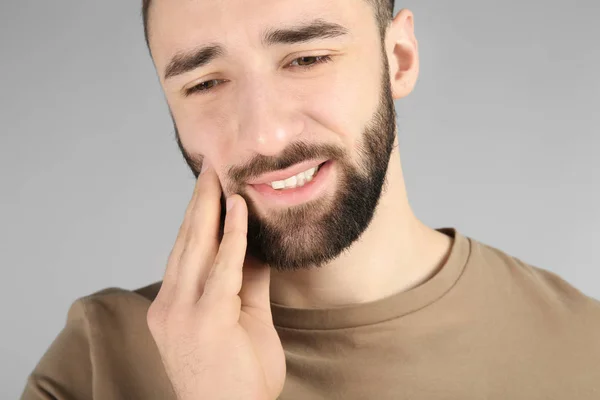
<point x="384" y="12"/>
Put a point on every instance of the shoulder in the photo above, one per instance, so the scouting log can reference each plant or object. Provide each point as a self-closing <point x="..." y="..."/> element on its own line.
<point x="532" y="282"/>
<point x="112" y="323"/>
<point x="104" y="333"/>
<point x="144" y="294"/>
<point x="141" y="297"/>
<point x="114" y="303"/>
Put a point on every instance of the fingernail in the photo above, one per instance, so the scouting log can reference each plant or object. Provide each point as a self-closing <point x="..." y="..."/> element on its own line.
<point x="230" y="202"/>
<point x="204" y="167"/>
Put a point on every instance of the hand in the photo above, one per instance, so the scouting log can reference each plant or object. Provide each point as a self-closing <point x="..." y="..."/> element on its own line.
<point x="211" y="319"/>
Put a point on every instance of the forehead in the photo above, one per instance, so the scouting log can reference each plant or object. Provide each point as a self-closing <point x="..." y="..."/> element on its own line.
<point x="183" y="24"/>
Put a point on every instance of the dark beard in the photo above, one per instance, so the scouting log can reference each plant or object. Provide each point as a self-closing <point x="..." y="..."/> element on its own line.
<point x="313" y="234"/>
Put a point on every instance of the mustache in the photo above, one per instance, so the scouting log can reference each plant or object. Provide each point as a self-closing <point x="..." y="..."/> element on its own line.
<point x="294" y="153"/>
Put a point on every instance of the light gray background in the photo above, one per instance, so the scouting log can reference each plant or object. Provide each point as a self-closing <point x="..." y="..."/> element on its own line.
<point x="500" y="139"/>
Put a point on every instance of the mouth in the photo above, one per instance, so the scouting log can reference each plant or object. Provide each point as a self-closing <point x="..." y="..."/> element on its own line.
<point x="296" y="185"/>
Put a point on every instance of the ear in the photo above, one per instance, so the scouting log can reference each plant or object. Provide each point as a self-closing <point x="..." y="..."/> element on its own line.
<point x="402" y="52"/>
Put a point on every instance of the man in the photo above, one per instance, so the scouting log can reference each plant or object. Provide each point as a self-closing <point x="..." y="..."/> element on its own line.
<point x="300" y="271"/>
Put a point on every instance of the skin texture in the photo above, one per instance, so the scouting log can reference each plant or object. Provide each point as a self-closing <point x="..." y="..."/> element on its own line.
<point x="314" y="233"/>
<point x="264" y="112"/>
<point x="211" y="321"/>
<point x="383" y="10"/>
<point x="242" y="122"/>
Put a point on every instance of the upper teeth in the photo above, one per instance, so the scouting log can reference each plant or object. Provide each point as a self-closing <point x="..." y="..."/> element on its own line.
<point x="295" y="181"/>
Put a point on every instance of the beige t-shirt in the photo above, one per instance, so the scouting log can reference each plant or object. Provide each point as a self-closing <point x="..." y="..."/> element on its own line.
<point x="486" y="326"/>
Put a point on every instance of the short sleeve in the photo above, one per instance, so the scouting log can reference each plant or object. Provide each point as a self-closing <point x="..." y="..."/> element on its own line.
<point x="65" y="370"/>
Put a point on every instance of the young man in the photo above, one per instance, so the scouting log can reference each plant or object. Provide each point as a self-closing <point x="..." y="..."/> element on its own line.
<point x="300" y="271"/>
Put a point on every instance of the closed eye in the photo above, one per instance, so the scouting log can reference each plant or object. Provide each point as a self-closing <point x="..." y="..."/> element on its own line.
<point x="304" y="63"/>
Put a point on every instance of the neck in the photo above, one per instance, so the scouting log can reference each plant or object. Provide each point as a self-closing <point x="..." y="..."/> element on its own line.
<point x="396" y="253"/>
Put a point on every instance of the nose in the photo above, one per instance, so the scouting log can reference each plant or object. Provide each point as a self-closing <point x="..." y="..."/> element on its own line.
<point x="266" y="117"/>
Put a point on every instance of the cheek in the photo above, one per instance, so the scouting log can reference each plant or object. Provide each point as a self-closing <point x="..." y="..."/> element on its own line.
<point x="343" y="103"/>
<point x="203" y="130"/>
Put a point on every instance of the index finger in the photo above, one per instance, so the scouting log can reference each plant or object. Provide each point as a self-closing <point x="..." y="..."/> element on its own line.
<point x="175" y="255"/>
<point x="174" y="260"/>
<point x="201" y="241"/>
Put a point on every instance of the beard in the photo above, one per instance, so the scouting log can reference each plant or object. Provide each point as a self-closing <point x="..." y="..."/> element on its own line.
<point x="312" y="234"/>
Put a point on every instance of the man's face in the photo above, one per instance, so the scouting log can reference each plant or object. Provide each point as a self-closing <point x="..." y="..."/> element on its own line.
<point x="261" y="100"/>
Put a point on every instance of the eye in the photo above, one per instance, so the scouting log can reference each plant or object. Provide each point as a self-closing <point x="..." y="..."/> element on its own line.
<point x="205" y="86"/>
<point x="310" y="61"/>
<point x="304" y="63"/>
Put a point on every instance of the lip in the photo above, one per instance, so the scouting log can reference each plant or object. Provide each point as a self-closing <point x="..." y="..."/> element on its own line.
<point x="286" y="173"/>
<point x="291" y="197"/>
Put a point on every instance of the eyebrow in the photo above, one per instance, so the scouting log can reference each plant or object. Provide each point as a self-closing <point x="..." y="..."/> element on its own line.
<point x="185" y="61"/>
